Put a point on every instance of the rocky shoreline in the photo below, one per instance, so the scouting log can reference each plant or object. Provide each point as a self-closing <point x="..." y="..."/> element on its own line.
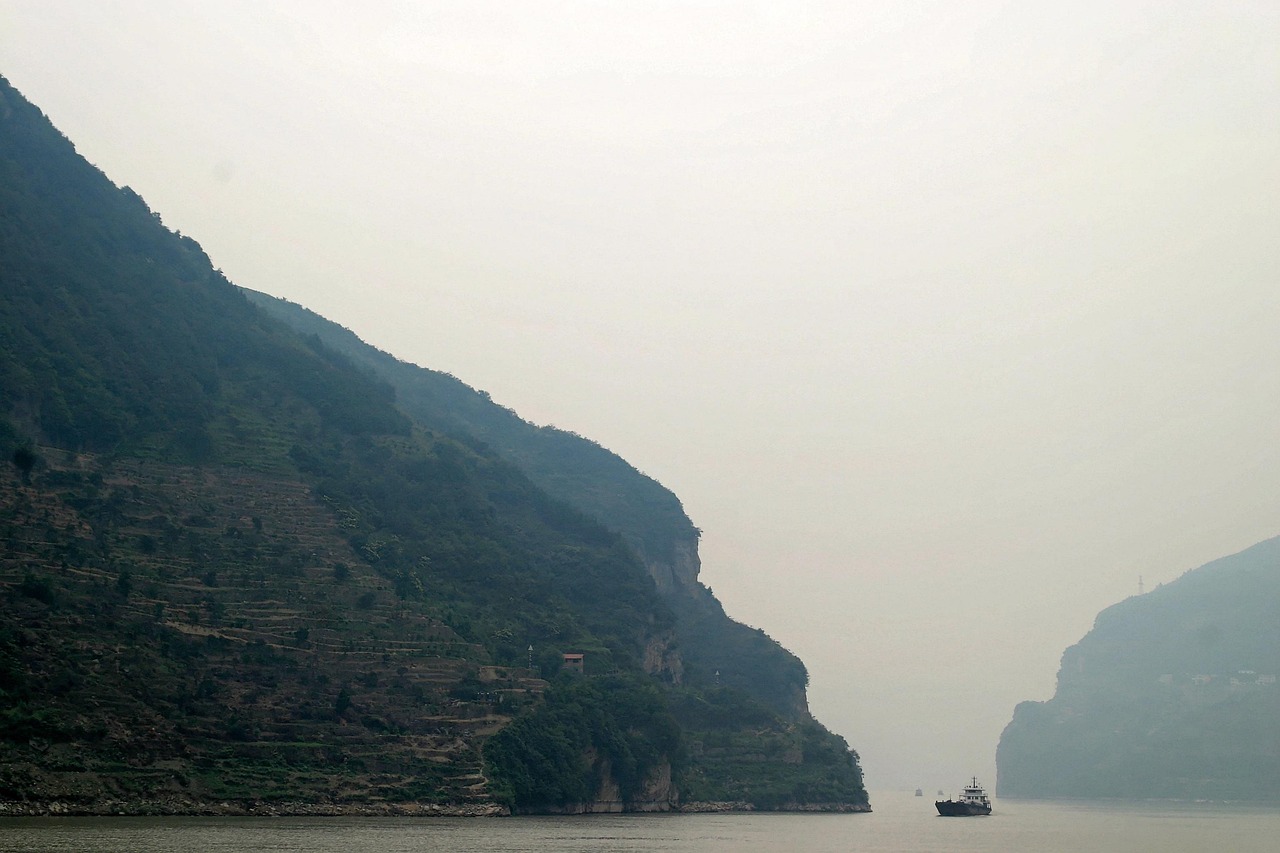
<point x="167" y="808"/>
<point x="175" y="808"/>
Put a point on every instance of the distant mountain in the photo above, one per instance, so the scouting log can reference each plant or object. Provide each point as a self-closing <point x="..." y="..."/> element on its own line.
<point x="1173" y="694"/>
<point x="241" y="570"/>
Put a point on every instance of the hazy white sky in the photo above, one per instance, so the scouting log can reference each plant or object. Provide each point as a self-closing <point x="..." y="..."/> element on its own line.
<point x="945" y="320"/>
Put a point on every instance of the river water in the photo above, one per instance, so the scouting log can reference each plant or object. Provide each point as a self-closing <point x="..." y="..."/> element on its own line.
<point x="900" y="823"/>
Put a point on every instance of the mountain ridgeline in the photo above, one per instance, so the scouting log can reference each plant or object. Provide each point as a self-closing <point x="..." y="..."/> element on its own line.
<point x="597" y="483"/>
<point x="1172" y="695"/>
<point x="252" y="564"/>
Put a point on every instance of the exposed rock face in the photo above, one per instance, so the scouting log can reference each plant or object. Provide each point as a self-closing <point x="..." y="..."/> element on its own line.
<point x="657" y="794"/>
<point x="662" y="660"/>
<point x="680" y="574"/>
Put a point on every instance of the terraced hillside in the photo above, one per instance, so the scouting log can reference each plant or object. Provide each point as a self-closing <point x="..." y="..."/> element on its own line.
<point x="236" y="574"/>
<point x="249" y="654"/>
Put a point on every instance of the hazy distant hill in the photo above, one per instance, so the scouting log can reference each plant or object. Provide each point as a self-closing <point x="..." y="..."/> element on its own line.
<point x="234" y="570"/>
<point x="1172" y="694"/>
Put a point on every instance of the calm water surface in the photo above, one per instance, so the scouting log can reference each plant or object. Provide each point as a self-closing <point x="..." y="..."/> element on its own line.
<point x="900" y="823"/>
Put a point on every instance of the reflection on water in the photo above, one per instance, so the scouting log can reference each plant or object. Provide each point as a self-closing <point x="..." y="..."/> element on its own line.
<point x="901" y="823"/>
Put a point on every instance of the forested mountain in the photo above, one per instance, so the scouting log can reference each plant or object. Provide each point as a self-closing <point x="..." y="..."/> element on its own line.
<point x="713" y="648"/>
<point x="240" y="567"/>
<point x="1173" y="694"/>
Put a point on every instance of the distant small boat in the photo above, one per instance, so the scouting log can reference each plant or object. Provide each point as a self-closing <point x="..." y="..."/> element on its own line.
<point x="974" y="801"/>
<point x="919" y="792"/>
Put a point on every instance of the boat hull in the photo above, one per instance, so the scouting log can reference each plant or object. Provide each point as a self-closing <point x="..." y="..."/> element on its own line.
<point x="951" y="808"/>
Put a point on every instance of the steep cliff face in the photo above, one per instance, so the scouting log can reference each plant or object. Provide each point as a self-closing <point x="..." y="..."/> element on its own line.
<point x="677" y="573"/>
<point x="662" y="658"/>
<point x="1173" y="694"/>
<point x="656" y="793"/>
